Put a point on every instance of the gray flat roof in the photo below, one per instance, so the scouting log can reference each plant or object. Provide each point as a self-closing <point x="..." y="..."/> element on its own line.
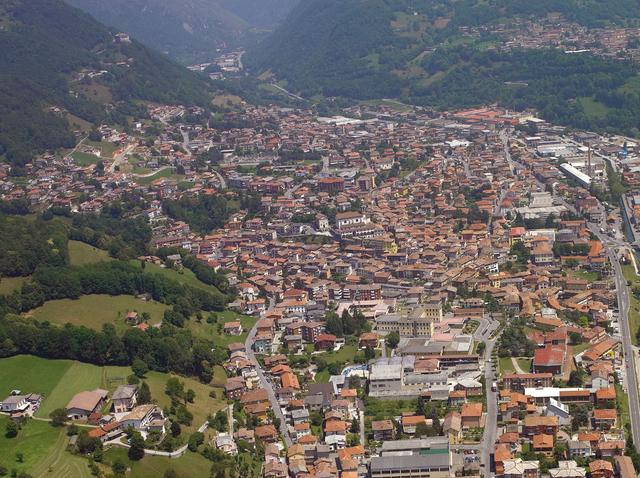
<point x="391" y="463"/>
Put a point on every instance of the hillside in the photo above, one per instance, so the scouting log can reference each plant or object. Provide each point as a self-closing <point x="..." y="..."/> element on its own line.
<point x="188" y="30"/>
<point x="60" y="66"/>
<point x="446" y="54"/>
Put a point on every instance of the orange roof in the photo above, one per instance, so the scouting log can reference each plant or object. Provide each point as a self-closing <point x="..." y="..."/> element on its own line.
<point x="335" y="426"/>
<point x="606" y="414"/>
<point x="471" y="410"/>
<point x="542" y="441"/>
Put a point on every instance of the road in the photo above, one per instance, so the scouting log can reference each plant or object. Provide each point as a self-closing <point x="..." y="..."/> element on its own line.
<point x="491" y="420"/>
<point x="288" y="93"/>
<point x="120" y="158"/>
<point x="627" y="348"/>
<point x="273" y="400"/>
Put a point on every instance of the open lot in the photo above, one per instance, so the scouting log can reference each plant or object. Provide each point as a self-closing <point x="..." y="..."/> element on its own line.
<point x="94" y="311"/>
<point x="81" y="254"/>
<point x="9" y="284"/>
<point x="188" y="465"/>
<point x="59" y="380"/>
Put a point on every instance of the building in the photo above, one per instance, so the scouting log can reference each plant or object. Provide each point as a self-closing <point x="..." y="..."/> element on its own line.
<point x="420" y="322"/>
<point x="568" y="469"/>
<point x="412" y="466"/>
<point x="124" y="398"/>
<point x="519" y="381"/>
<point x="383" y="430"/>
<point x="14" y="404"/>
<point x="84" y="404"/>
<point x="519" y="468"/>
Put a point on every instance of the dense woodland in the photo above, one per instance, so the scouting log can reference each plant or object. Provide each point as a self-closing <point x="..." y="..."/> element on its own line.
<point x="39" y="247"/>
<point x="43" y="43"/>
<point x="365" y="50"/>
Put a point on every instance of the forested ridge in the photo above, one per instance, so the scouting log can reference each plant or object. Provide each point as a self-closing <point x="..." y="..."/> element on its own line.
<point x="44" y="43"/>
<point x="414" y="51"/>
<point x="38" y="247"/>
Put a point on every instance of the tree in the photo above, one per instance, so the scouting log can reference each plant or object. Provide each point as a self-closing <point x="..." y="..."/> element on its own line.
<point x="392" y="340"/>
<point x="139" y="367"/>
<point x="175" y="429"/>
<point x="190" y="395"/>
<point x="195" y="440"/>
<point x="170" y="473"/>
<point x="174" y="388"/>
<point x="11" y="430"/>
<point x="580" y="417"/>
<point x="119" y="468"/>
<point x="136" y="450"/>
<point x="144" y="394"/>
<point x="58" y="417"/>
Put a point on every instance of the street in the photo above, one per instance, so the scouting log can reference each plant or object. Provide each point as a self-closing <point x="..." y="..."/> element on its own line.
<point x="273" y="400"/>
<point x="625" y="331"/>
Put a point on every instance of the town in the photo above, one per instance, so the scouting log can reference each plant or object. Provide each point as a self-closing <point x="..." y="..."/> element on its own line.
<point x="426" y="295"/>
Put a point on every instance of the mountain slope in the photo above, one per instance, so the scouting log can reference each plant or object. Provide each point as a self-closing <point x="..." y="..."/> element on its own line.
<point x="46" y="45"/>
<point x="336" y="47"/>
<point x="187" y="30"/>
<point x="455" y="54"/>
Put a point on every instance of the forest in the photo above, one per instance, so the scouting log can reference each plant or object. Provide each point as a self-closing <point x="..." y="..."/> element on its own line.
<point x="44" y="42"/>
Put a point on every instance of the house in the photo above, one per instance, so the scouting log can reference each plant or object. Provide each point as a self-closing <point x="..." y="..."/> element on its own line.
<point x="550" y="359"/>
<point x="543" y="444"/>
<point x="234" y="388"/>
<point x="604" y="419"/>
<point x="383" y="430"/>
<point x="536" y="425"/>
<point x="226" y="444"/>
<point x="325" y="342"/>
<point x="452" y="427"/>
<point x="147" y="417"/>
<point x="84" y="404"/>
<point x="124" y="398"/>
<point x="335" y="434"/>
<point x="579" y="449"/>
<point x="518" y="468"/>
<point x="14" y="404"/>
<point x="233" y="328"/>
<point x="266" y="433"/>
<point x="624" y="466"/>
<point x="411" y="422"/>
<point x="368" y="340"/>
<point x="471" y="415"/>
<point x="601" y="469"/>
<point x="568" y="469"/>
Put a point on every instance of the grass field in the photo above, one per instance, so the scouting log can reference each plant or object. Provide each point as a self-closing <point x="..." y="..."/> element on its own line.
<point x="79" y="377"/>
<point x="344" y="355"/>
<point x="210" y="331"/>
<point x="506" y="365"/>
<point x="106" y="149"/>
<point x="593" y="108"/>
<point x="44" y="451"/>
<point x="165" y="173"/>
<point x="203" y="404"/>
<point x="84" y="159"/>
<point x="525" y="364"/>
<point x="10" y="284"/>
<point x="59" y="380"/>
<point x="81" y="254"/>
<point x="94" y="311"/>
<point x="184" y="276"/>
<point x="188" y="465"/>
<point x="31" y="374"/>
<point x="589" y="276"/>
<point x="44" y="447"/>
